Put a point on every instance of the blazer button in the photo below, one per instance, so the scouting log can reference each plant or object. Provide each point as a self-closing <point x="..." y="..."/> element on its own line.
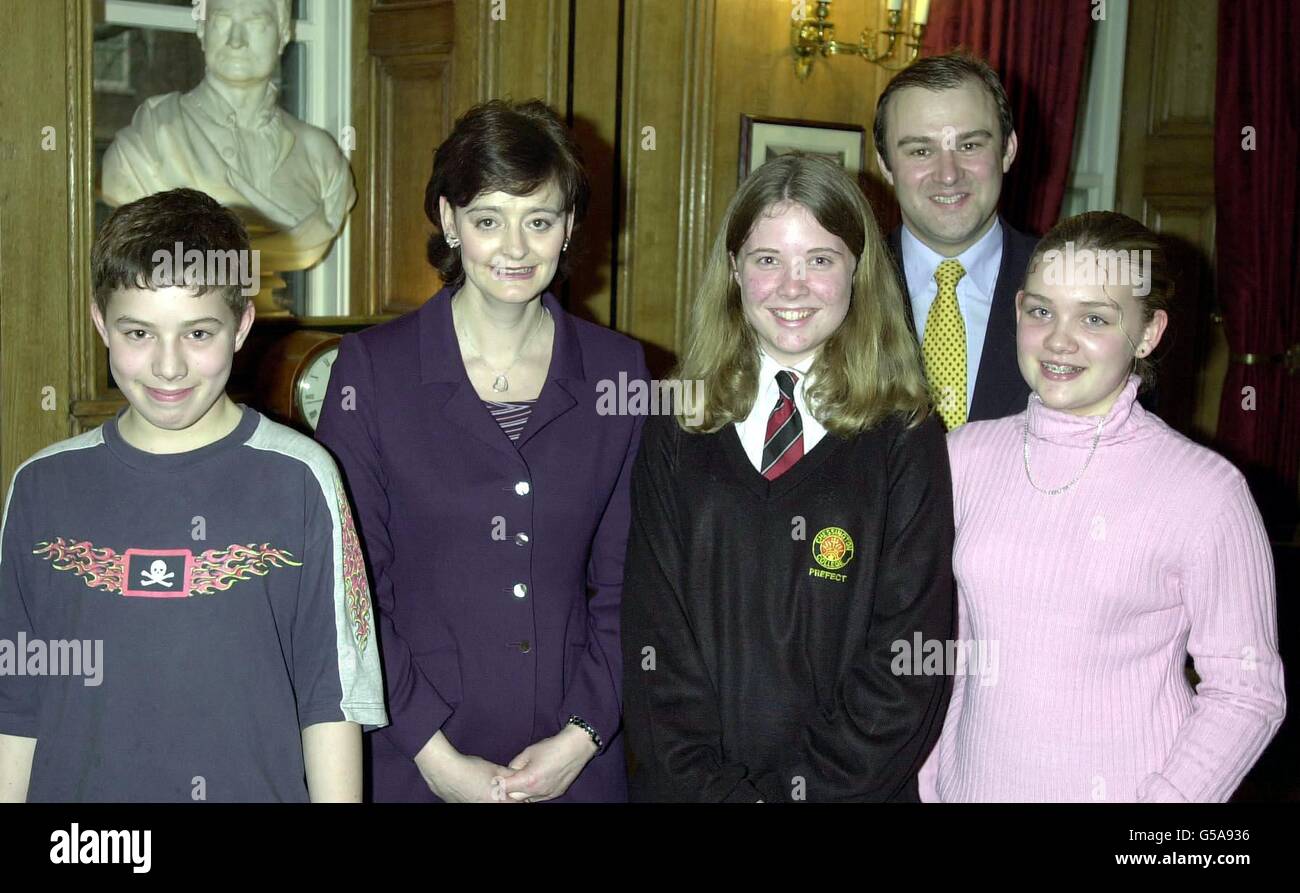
<point x="521" y="539"/>
<point x="525" y="646"/>
<point x="522" y="488"/>
<point x="521" y="591"/>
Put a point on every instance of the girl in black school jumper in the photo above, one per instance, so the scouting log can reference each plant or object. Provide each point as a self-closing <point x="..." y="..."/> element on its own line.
<point x="792" y="526"/>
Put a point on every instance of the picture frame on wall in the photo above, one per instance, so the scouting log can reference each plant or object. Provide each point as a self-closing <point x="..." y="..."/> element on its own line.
<point x="762" y="139"/>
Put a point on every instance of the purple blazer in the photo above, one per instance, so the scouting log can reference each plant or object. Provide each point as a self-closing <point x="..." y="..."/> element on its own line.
<point x="497" y="567"/>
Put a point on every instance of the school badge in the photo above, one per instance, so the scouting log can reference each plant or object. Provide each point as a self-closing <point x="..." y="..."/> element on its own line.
<point x="833" y="548"/>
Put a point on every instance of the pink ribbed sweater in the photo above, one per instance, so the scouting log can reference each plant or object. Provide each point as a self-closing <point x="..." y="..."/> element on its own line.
<point x="1085" y="604"/>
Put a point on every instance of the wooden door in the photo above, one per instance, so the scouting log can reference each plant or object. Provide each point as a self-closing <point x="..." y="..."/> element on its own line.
<point x="1166" y="180"/>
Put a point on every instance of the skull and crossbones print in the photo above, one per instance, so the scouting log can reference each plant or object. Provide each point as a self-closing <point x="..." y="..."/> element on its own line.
<point x="156" y="575"/>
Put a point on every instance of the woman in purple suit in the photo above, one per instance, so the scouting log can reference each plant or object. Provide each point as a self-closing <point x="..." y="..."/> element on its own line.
<point x="491" y="495"/>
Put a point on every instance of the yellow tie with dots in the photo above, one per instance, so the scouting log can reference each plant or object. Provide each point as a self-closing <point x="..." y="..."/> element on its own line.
<point x="944" y="346"/>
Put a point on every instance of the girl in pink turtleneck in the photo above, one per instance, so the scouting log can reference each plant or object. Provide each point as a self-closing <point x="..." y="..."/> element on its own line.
<point x="1096" y="548"/>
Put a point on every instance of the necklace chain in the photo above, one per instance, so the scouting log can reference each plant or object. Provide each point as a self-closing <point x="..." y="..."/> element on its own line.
<point x="500" y="382"/>
<point x="1096" y="438"/>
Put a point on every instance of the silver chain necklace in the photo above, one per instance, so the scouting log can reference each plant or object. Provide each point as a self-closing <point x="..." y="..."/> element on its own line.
<point x="1096" y="439"/>
<point x="501" y="383"/>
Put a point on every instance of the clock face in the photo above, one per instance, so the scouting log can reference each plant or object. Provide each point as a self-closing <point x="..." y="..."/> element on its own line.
<point x="311" y="385"/>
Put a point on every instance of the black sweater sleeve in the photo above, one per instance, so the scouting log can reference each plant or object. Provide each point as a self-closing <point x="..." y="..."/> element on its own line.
<point x="884" y="725"/>
<point x="671" y="708"/>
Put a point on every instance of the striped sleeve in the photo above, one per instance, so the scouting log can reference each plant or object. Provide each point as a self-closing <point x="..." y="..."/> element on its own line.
<point x="335" y="655"/>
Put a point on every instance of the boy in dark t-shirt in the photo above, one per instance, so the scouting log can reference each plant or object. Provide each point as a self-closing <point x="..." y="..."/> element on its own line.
<point x="184" y="612"/>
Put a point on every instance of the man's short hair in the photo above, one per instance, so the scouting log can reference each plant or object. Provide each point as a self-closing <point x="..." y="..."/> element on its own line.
<point x="125" y="252"/>
<point x="946" y="72"/>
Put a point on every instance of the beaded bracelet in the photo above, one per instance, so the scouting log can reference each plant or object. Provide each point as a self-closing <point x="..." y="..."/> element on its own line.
<point x="576" y="720"/>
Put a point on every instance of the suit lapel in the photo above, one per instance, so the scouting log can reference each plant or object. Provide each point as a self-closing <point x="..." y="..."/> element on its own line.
<point x="463" y="407"/>
<point x="895" y="243"/>
<point x="998" y="383"/>
<point x="453" y="397"/>
<point x="554" y="401"/>
<point x="563" y="378"/>
<point x="441" y="365"/>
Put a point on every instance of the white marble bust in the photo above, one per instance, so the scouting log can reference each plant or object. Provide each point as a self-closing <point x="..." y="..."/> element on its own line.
<point x="286" y="179"/>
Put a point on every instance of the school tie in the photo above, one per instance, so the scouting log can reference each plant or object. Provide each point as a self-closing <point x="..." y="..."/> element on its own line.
<point x="944" y="347"/>
<point x="783" y="445"/>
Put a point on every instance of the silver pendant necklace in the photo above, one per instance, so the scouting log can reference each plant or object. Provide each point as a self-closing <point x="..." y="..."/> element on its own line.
<point x="501" y="383"/>
<point x="1096" y="439"/>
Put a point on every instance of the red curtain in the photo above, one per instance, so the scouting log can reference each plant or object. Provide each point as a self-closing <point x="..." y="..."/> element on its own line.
<point x="1039" y="49"/>
<point x="1256" y="192"/>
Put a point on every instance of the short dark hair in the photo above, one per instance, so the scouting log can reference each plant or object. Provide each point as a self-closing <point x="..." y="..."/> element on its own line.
<point x="946" y="72"/>
<point x="123" y="255"/>
<point x="500" y="146"/>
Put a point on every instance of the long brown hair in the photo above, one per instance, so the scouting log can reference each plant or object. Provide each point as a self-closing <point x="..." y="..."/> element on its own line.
<point x="868" y="369"/>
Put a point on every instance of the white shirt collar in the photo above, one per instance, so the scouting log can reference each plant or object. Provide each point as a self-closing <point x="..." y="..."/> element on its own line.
<point x="981" y="261"/>
<point x="752" y="430"/>
<point x="768" y="367"/>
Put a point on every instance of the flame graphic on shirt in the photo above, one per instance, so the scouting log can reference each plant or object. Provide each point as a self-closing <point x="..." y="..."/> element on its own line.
<point x="102" y="569"/>
<point x="355" y="587"/>
<point x="215" y="570"/>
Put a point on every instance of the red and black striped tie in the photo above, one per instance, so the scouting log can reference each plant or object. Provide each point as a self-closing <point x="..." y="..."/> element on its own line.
<point x="784" y="443"/>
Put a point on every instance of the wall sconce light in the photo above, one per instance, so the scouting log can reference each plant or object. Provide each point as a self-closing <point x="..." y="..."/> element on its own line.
<point x="816" y="36"/>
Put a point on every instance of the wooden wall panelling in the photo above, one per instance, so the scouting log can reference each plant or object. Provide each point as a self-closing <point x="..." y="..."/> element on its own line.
<point x="403" y="96"/>
<point x="1166" y="180"/>
<point x="38" y="236"/>
<point x="95" y="398"/>
<point x="699" y="161"/>
<point x="527" y="49"/>
<point x="1191" y="372"/>
<point x="754" y="74"/>
<point x="1186" y="45"/>
<point x="362" y="288"/>
<point x="662" y="39"/>
<point x="595" y="116"/>
<point x="471" y="72"/>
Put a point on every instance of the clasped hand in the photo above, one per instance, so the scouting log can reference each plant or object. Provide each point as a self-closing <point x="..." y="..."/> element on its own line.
<point x="541" y="771"/>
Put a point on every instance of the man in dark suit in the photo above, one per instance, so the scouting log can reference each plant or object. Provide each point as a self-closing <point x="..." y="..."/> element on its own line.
<point x="944" y="139"/>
